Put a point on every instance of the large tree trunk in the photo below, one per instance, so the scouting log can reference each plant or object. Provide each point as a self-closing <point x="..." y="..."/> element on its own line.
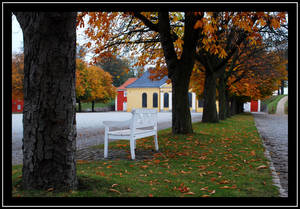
<point x="179" y="70"/>
<point x="49" y="122"/>
<point x="181" y="115"/>
<point x="282" y="87"/>
<point x="93" y="106"/>
<point x="209" y="95"/>
<point x="222" y="97"/>
<point x="228" y="112"/>
<point x="79" y="106"/>
<point x="233" y="105"/>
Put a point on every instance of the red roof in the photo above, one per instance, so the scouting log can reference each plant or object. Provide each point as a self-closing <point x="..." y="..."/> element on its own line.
<point x="129" y="81"/>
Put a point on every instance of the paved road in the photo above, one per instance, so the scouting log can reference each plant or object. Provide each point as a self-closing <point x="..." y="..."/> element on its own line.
<point x="274" y="131"/>
<point x="90" y="129"/>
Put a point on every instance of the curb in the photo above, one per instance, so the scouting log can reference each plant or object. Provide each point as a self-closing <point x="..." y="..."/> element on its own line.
<point x="276" y="179"/>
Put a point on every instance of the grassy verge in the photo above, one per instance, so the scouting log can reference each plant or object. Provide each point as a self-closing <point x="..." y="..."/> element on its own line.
<point x="272" y="103"/>
<point x="286" y="107"/>
<point x="88" y="105"/>
<point x="219" y="160"/>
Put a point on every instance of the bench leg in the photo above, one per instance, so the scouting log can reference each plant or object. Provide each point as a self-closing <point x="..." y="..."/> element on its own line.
<point x="156" y="142"/>
<point x="132" y="149"/>
<point x="105" y="145"/>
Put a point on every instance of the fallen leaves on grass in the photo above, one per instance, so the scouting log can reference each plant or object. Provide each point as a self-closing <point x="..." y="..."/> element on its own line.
<point x="114" y="190"/>
<point x="50" y="189"/>
<point x="261" y="167"/>
<point x="182" y="188"/>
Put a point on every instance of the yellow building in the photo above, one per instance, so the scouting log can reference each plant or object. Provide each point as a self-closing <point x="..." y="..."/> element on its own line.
<point x="145" y="93"/>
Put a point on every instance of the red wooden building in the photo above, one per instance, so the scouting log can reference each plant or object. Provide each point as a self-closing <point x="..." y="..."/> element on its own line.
<point x="121" y="98"/>
<point x="17" y="105"/>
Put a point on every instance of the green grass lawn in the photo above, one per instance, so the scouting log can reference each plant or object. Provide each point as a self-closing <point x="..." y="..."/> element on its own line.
<point x="88" y="105"/>
<point x="272" y="103"/>
<point x="219" y="160"/>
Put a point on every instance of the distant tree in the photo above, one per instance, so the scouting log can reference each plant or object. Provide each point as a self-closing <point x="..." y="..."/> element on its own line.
<point x="82" y="92"/>
<point x="93" y="84"/>
<point x="118" y="68"/>
<point x="17" y="76"/>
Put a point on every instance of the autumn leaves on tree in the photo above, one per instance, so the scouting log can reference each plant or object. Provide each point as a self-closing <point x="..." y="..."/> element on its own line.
<point x="206" y="51"/>
<point x="93" y="84"/>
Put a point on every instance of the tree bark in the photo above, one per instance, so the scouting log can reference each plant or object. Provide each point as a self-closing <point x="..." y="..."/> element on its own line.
<point x="209" y="107"/>
<point x="233" y="105"/>
<point x="49" y="122"/>
<point x="181" y="115"/>
<point x="228" y="112"/>
<point x="179" y="70"/>
<point x="93" y="106"/>
<point x="222" y="97"/>
<point x="282" y="87"/>
<point x="79" y="106"/>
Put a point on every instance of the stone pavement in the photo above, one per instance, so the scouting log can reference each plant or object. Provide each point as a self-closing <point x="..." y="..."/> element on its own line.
<point x="90" y="132"/>
<point x="274" y="132"/>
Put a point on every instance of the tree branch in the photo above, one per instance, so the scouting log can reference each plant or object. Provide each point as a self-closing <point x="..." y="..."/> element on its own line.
<point x="147" y="22"/>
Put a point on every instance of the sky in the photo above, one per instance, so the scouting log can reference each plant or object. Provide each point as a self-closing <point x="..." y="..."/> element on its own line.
<point x="17" y="39"/>
<point x="17" y="36"/>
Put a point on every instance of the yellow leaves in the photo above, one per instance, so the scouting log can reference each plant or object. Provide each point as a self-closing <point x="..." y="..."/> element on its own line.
<point x="100" y="173"/>
<point x="114" y="185"/>
<point x="275" y="23"/>
<point x="222" y="54"/>
<point x="50" y="189"/>
<point x="252" y="153"/>
<point x="17" y="76"/>
<point x="93" y="83"/>
<point x="208" y="29"/>
<point x="198" y="24"/>
<point x="228" y="187"/>
<point x="114" y="190"/>
<point x="261" y="167"/>
<point x="88" y="45"/>
<point x="185" y="172"/>
<point x="209" y="14"/>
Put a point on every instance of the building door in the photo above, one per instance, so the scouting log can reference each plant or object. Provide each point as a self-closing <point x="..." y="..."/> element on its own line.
<point x="254" y="106"/>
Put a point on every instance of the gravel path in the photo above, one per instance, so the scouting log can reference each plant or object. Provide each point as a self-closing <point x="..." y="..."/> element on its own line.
<point x="280" y="106"/>
<point x="90" y="131"/>
<point x="274" y="132"/>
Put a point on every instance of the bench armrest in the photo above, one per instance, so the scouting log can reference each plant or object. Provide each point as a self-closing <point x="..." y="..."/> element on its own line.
<point x="118" y="124"/>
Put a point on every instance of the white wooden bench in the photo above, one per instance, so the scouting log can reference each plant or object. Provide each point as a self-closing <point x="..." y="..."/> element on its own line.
<point x="142" y="124"/>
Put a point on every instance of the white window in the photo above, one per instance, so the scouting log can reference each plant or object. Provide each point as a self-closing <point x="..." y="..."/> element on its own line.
<point x="19" y="107"/>
<point x="125" y="93"/>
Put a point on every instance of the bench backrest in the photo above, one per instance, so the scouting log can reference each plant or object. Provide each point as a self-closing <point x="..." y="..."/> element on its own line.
<point x="142" y="118"/>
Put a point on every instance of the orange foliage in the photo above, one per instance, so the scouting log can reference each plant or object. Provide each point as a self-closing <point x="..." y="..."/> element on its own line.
<point x="93" y="83"/>
<point x="110" y="32"/>
<point x="261" y="76"/>
<point x="17" y="76"/>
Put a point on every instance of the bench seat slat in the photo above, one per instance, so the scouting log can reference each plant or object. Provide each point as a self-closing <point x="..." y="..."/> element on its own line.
<point x="142" y="124"/>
